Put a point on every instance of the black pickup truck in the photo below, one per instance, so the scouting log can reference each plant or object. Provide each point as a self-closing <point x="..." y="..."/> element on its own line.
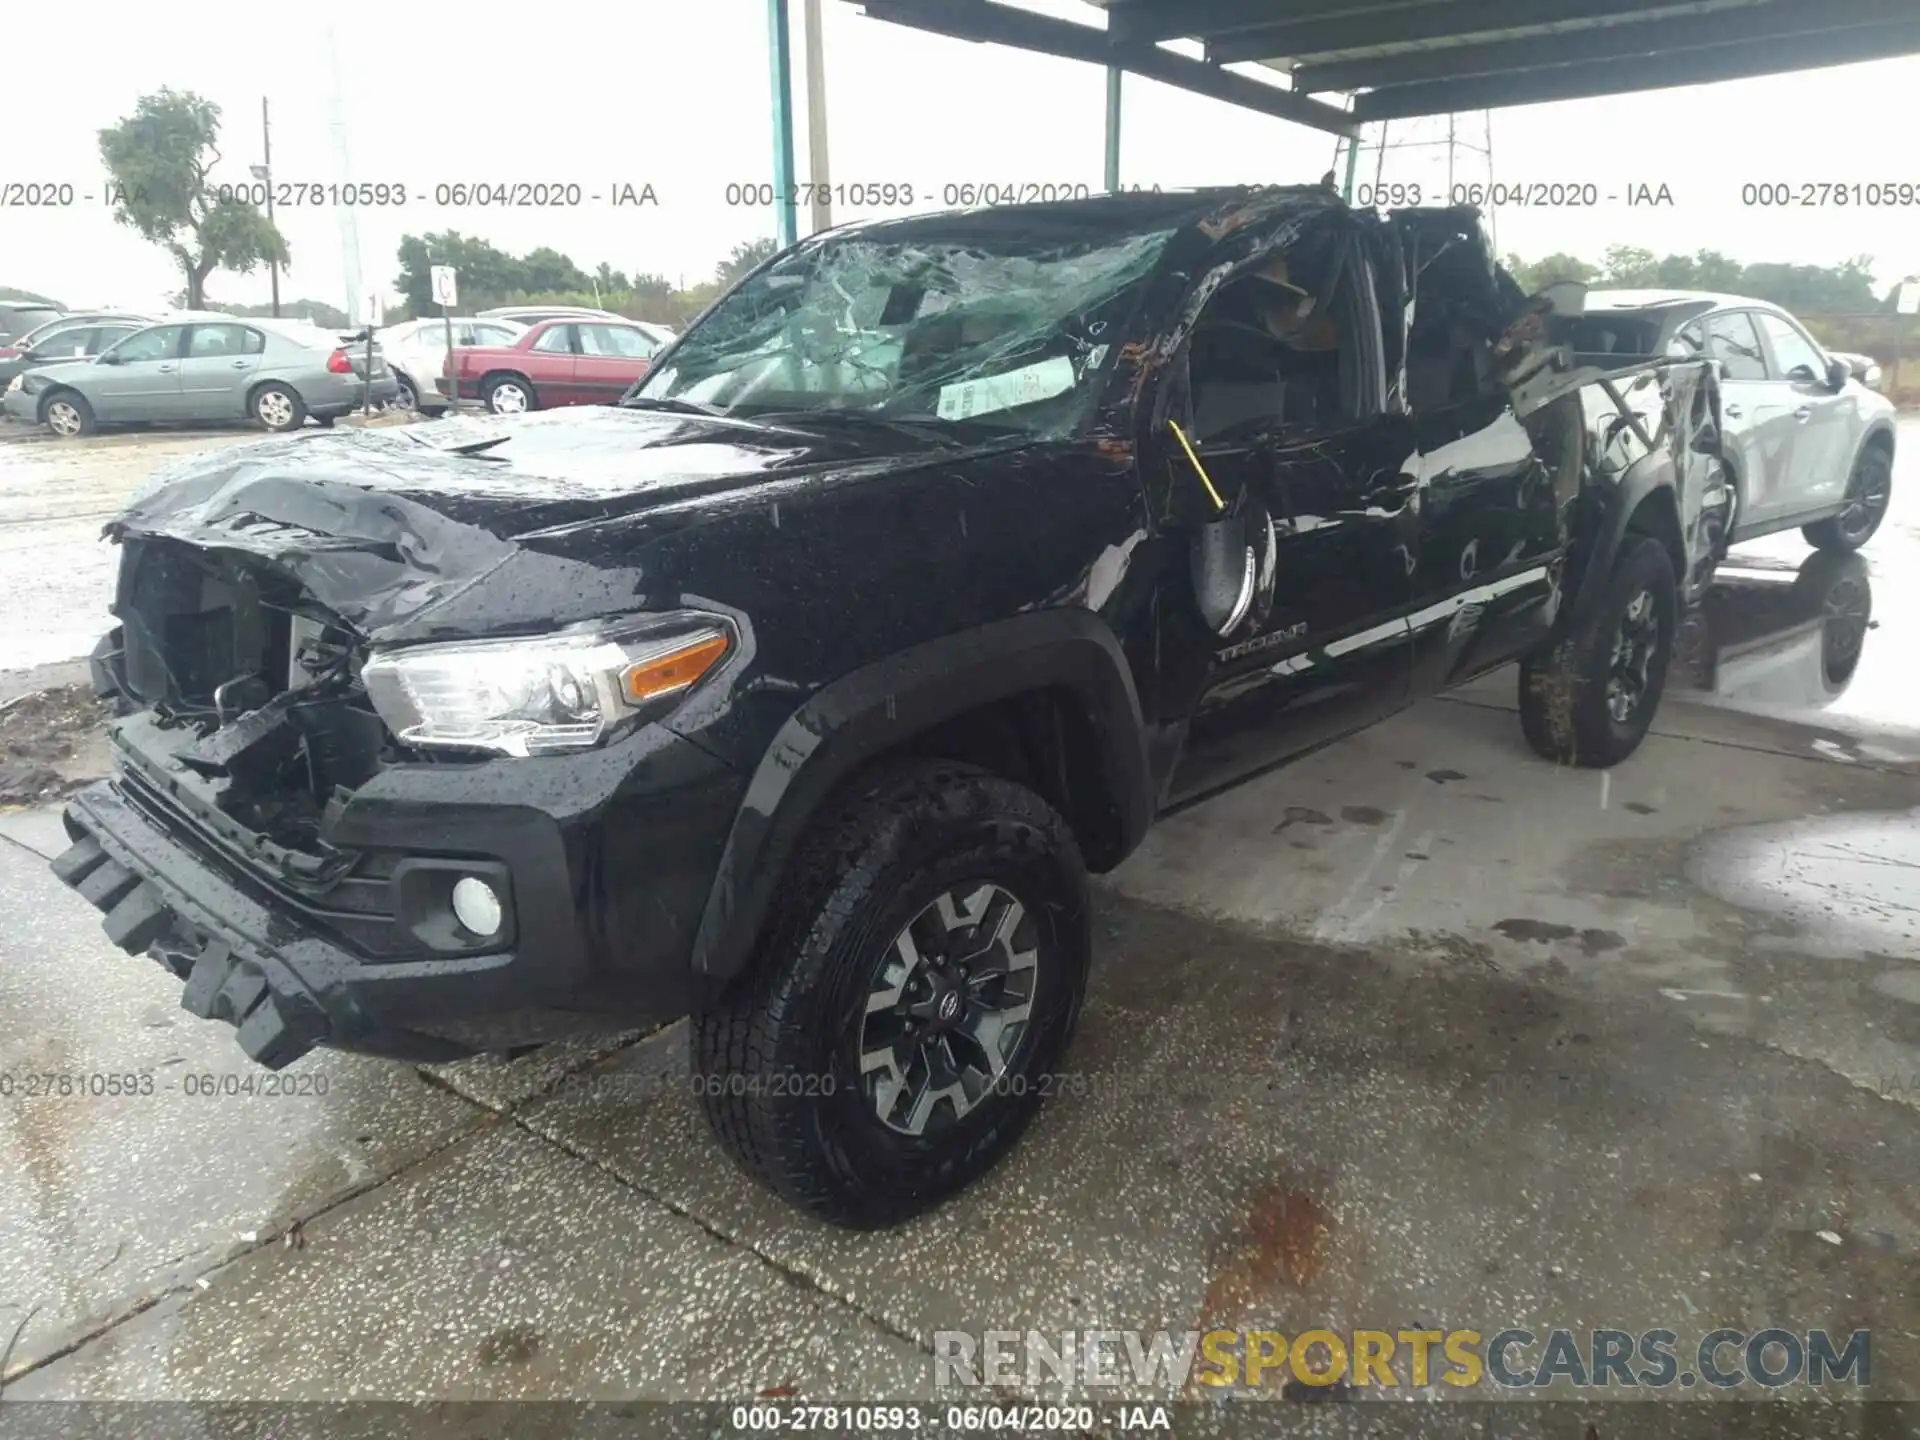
<point x="801" y="690"/>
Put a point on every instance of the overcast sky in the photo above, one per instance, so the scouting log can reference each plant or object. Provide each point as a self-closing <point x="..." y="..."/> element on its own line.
<point x="675" y="93"/>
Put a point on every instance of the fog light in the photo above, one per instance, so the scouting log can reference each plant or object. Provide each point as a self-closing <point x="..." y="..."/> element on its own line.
<point x="476" y="906"/>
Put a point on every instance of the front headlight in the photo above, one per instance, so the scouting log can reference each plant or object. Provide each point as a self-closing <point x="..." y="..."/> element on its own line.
<point x="17" y="381"/>
<point x="540" y="694"/>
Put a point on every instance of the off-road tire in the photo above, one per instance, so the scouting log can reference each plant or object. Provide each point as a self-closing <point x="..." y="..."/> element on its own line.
<point x="897" y="837"/>
<point x="1852" y="528"/>
<point x="1563" y="690"/>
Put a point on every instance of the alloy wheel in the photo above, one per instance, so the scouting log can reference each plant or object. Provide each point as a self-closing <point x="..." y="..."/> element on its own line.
<point x="63" y="419"/>
<point x="948" y="1009"/>
<point x="275" y="410"/>
<point x="1867" y="498"/>
<point x="1631" y="665"/>
<point x="507" y="399"/>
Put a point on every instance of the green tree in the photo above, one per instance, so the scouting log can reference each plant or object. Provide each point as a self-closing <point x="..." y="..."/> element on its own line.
<point x="327" y="317"/>
<point x="1714" y="271"/>
<point x="611" y="281"/>
<point x="547" y="272"/>
<point x="160" y="158"/>
<point x="1629" y="267"/>
<point x="747" y="255"/>
<point x="487" y="276"/>
<point x="1535" y="276"/>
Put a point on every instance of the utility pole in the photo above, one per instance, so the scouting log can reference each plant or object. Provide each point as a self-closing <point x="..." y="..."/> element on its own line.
<point x="263" y="172"/>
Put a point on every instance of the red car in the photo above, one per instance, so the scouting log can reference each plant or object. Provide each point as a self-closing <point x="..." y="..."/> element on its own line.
<point x="556" y="362"/>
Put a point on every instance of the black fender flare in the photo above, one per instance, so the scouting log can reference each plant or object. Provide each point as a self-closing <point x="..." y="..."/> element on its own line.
<point x="1621" y="503"/>
<point x="867" y="712"/>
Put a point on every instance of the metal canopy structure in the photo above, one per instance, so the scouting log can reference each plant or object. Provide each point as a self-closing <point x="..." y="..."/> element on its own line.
<point x="1393" y="59"/>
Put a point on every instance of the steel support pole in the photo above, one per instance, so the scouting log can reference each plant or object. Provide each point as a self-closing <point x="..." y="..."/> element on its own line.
<point x="780" y="53"/>
<point x="1114" y="73"/>
<point x="818" y="174"/>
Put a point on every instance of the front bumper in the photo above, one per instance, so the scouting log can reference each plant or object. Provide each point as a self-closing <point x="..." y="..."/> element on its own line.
<point x="607" y="857"/>
<point x="22" y="406"/>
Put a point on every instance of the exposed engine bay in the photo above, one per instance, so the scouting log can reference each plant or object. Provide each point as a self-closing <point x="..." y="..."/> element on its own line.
<point x="253" y="689"/>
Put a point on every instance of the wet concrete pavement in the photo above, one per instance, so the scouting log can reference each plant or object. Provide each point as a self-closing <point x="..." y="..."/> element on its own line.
<point x="1417" y="1031"/>
<point x="1576" y="1068"/>
<point x="54" y="497"/>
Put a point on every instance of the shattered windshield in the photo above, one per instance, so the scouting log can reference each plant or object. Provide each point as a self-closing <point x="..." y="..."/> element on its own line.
<point x="1003" y="330"/>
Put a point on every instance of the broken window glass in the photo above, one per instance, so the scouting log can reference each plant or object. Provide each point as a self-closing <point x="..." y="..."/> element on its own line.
<point x="1004" y="329"/>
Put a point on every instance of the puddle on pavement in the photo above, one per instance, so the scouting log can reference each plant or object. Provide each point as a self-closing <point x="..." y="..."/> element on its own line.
<point x="1853" y="878"/>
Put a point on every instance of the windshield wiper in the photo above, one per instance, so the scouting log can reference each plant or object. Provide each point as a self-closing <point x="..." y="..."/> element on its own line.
<point x="867" y="419"/>
<point x="670" y="402"/>
<point x="472" y="449"/>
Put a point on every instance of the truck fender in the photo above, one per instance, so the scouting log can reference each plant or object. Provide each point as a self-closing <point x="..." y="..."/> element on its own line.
<point x="869" y="711"/>
<point x="1648" y="483"/>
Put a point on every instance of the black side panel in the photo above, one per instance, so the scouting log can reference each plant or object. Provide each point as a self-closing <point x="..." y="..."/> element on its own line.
<point x="874" y="709"/>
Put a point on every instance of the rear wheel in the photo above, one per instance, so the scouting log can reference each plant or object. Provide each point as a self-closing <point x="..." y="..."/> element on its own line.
<point x="279" y="407"/>
<point x="1869" y="491"/>
<point x="67" y="414"/>
<point x="408" y="398"/>
<point x="1589" y="700"/>
<point x="510" y="395"/>
<point x="917" y="985"/>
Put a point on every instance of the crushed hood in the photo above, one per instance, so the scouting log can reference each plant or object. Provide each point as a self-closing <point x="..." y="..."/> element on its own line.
<point x="386" y="527"/>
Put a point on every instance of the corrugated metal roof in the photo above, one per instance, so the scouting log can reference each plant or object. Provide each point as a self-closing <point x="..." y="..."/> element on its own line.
<point x="1349" y="61"/>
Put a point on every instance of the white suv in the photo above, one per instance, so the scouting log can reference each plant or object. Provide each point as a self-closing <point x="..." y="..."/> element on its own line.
<point x="1809" y="445"/>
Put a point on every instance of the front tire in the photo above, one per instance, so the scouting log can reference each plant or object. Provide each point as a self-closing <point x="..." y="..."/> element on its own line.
<point x="917" y="984"/>
<point x="1869" y="491"/>
<point x="1589" y="699"/>
<point x="67" y="414"/>
<point x="510" y="395"/>
<point x="279" y="408"/>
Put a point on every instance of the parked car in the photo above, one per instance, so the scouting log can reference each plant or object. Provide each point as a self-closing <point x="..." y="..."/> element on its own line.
<point x="1807" y="443"/>
<point x="71" y="337"/>
<point x="17" y="317"/>
<point x="802" y="689"/>
<point x="76" y="317"/>
<point x="554" y="362"/>
<point x="205" y="368"/>
<point x="533" y="314"/>
<point x="416" y="350"/>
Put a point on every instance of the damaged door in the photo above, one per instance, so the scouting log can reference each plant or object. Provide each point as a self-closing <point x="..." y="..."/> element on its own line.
<point x="1293" y="607"/>
<point x="1490" y="502"/>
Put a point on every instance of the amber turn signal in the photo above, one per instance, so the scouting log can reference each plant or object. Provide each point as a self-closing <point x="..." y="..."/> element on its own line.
<point x="671" y="670"/>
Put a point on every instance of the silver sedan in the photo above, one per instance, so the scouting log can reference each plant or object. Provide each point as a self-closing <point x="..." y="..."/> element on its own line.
<point x="207" y="368"/>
